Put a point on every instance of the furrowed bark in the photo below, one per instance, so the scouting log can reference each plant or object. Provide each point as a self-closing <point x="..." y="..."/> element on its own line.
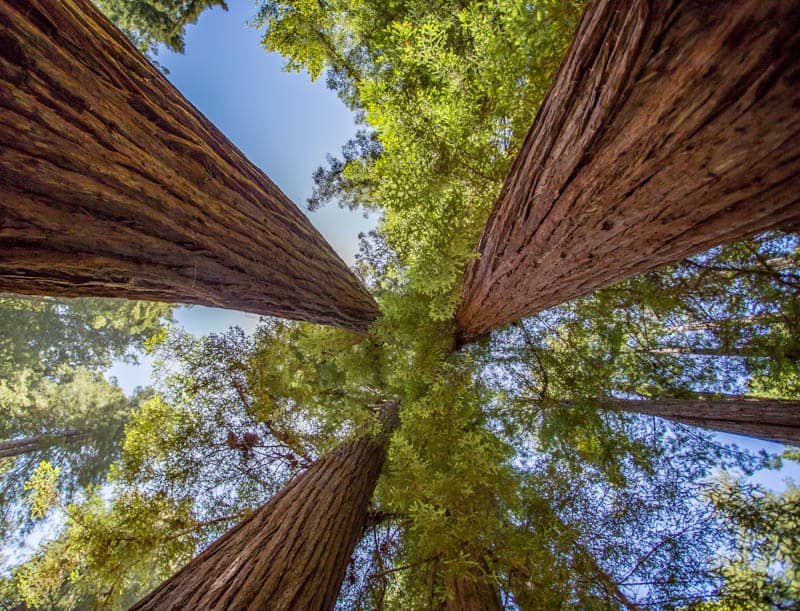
<point x="672" y="126"/>
<point x="293" y="552"/>
<point x="769" y="419"/>
<point x="112" y="184"/>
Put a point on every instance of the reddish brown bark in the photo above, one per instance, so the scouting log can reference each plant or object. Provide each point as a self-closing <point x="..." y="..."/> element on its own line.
<point x="471" y="590"/>
<point x="293" y="552"/>
<point x="113" y="184"/>
<point x="768" y="419"/>
<point x="672" y="126"/>
<point x="468" y="594"/>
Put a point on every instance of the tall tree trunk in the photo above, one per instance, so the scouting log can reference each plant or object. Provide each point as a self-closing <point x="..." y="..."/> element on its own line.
<point x="15" y="447"/>
<point x="293" y="552"/>
<point x="467" y="594"/>
<point x="672" y="126"/>
<point x="769" y="419"/>
<point x="766" y="318"/>
<point x="112" y="184"/>
<point x="470" y="591"/>
<point x="746" y="351"/>
<point x="698" y="351"/>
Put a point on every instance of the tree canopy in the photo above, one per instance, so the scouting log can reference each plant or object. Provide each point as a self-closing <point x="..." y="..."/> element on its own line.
<point x="56" y="407"/>
<point x="514" y="475"/>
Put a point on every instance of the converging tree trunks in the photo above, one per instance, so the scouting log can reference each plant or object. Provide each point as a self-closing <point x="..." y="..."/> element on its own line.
<point x="113" y="184"/>
<point x="671" y="127"/>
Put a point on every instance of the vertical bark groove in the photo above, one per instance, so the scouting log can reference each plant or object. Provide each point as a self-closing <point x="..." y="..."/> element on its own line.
<point x="293" y="552"/>
<point x="112" y="184"/>
<point x="671" y="127"/>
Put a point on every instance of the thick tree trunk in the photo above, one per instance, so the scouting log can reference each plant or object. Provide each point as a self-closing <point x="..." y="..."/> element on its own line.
<point x="15" y="447"/>
<point x="465" y="591"/>
<point x="293" y="552"/>
<point x="768" y="419"/>
<point x="112" y="184"/>
<point x="466" y="594"/>
<point x="672" y="126"/>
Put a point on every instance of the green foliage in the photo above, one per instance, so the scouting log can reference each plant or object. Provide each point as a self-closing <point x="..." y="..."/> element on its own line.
<point x="41" y="488"/>
<point x="764" y="571"/>
<point x="200" y="439"/>
<point x="446" y="468"/>
<point x="56" y="408"/>
<point x="149" y="23"/>
<point x="507" y="468"/>
<point x="448" y="91"/>
<point x="44" y="333"/>
<point x="75" y="424"/>
<point x="234" y="419"/>
<point x="652" y="337"/>
<point x="321" y="381"/>
<point x="109" y="554"/>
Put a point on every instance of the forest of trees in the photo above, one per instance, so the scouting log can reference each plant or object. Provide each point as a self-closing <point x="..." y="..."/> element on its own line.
<point x="567" y="460"/>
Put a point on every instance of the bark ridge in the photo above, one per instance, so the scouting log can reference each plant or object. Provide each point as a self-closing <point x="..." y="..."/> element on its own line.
<point x="672" y="126"/>
<point x="293" y="552"/>
<point x="112" y="184"/>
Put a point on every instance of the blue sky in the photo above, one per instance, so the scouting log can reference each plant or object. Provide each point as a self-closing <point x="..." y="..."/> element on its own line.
<point x="281" y="121"/>
<point x="285" y="125"/>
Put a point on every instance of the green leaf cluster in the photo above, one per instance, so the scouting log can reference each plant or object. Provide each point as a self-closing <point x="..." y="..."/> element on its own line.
<point x="150" y="23"/>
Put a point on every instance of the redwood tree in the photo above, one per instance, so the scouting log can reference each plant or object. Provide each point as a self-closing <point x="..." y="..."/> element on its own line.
<point x="671" y="127"/>
<point x="769" y="419"/>
<point x="293" y="552"/>
<point x="470" y="593"/>
<point x="113" y="184"/>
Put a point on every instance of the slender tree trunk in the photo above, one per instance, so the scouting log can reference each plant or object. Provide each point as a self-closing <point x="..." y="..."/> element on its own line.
<point x="293" y="552"/>
<point x="730" y="351"/>
<point x="768" y="419"/>
<point x="672" y="126"/>
<point x="736" y="323"/>
<point x="112" y="184"/>
<point x="525" y="588"/>
<point x="15" y="447"/>
<point x="698" y="351"/>
<point x="604" y="579"/>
